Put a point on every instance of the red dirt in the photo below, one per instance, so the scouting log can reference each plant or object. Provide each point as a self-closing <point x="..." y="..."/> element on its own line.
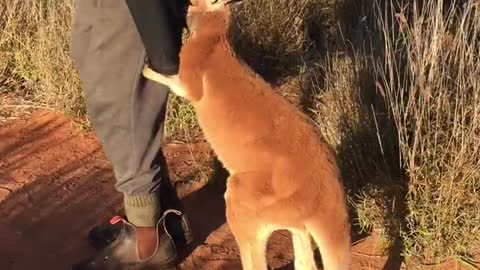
<point x="55" y="183"/>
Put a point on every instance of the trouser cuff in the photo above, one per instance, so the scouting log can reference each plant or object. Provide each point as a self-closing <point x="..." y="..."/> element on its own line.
<point x="142" y="211"/>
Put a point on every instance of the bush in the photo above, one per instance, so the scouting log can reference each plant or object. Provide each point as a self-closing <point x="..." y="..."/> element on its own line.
<point x="34" y="53"/>
<point x="430" y="72"/>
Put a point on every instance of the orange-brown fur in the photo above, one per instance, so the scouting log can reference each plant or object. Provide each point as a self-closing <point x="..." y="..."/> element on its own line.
<point x="283" y="175"/>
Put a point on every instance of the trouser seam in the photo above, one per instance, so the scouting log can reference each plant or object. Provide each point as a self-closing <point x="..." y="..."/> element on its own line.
<point x="136" y="83"/>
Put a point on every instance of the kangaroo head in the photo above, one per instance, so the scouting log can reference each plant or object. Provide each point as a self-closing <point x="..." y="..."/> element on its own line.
<point x="210" y="17"/>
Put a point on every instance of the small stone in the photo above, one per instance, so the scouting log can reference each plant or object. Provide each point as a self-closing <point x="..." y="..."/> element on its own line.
<point x="4" y="192"/>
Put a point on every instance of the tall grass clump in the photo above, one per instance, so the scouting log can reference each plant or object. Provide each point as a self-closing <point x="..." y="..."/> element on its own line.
<point x="181" y="123"/>
<point x="430" y="76"/>
<point x="353" y="119"/>
<point x="34" y="53"/>
<point x="274" y="37"/>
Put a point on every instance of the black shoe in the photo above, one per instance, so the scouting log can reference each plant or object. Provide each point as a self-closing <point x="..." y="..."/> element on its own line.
<point x="122" y="254"/>
<point x="178" y="227"/>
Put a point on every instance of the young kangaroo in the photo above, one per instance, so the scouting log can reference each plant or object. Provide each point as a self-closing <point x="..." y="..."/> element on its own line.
<point x="282" y="174"/>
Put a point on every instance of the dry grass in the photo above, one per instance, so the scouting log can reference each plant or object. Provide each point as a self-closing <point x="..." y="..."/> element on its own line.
<point x="431" y="78"/>
<point x="181" y="123"/>
<point x="34" y="53"/>
<point x="396" y="93"/>
<point x="353" y="118"/>
<point x="274" y="38"/>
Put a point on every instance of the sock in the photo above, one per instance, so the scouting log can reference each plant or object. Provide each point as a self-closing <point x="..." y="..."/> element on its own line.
<point x="142" y="211"/>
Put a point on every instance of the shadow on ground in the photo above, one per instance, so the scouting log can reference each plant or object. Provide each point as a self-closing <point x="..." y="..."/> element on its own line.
<point x="58" y="184"/>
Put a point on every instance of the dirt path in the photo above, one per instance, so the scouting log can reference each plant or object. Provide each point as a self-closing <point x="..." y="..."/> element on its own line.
<point x="55" y="182"/>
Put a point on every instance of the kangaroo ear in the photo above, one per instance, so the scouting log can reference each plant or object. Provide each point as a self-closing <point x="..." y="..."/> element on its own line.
<point x="234" y="3"/>
<point x="193" y="19"/>
<point x="230" y="3"/>
<point x="195" y="12"/>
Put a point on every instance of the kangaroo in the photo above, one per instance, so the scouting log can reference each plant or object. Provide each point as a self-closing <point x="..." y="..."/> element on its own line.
<point x="282" y="173"/>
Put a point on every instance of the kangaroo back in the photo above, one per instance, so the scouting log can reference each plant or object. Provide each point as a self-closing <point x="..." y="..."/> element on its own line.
<point x="282" y="173"/>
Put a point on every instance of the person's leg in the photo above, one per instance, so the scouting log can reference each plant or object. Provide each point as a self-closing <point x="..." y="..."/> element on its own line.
<point x="126" y="110"/>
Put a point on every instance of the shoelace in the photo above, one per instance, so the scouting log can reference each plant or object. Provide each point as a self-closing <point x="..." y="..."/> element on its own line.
<point x="162" y="219"/>
<point x="114" y="220"/>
